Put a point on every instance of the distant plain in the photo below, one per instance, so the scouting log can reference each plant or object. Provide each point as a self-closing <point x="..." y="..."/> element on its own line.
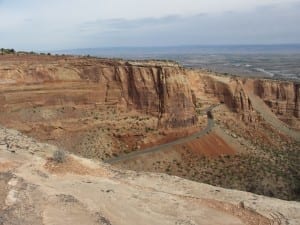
<point x="270" y="61"/>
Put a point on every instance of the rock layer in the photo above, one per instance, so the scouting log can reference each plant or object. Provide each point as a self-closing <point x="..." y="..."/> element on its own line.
<point x="281" y="97"/>
<point x="229" y="91"/>
<point x="156" y="88"/>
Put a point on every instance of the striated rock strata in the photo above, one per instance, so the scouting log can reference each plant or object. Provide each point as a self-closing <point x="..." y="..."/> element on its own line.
<point x="156" y="88"/>
<point x="283" y="98"/>
<point x="229" y="91"/>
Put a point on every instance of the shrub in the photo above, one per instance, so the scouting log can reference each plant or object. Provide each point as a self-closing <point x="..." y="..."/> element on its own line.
<point x="59" y="156"/>
<point x="7" y="51"/>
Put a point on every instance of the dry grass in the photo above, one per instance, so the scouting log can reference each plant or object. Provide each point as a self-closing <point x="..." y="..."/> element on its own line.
<point x="71" y="166"/>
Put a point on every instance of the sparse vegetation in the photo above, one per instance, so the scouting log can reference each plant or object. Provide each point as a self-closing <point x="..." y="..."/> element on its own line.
<point x="4" y="51"/>
<point x="108" y="131"/>
<point x="59" y="156"/>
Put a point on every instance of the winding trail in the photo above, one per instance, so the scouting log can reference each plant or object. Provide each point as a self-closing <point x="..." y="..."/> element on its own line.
<point x="210" y="125"/>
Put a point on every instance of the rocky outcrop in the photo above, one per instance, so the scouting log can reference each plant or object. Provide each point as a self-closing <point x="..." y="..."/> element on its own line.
<point x="156" y="88"/>
<point x="35" y="190"/>
<point x="281" y="97"/>
<point x="229" y="91"/>
<point x="238" y="94"/>
<point x="232" y="94"/>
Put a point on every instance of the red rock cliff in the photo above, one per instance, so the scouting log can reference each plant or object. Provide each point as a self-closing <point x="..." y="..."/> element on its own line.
<point x="157" y="88"/>
<point x="238" y="94"/>
<point x="281" y="97"/>
<point x="229" y="91"/>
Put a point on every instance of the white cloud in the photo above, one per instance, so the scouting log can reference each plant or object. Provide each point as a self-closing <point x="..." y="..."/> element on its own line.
<point x="78" y="10"/>
<point x="72" y="23"/>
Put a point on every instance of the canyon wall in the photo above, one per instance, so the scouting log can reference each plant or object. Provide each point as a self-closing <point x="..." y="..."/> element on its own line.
<point x="239" y="94"/>
<point x="281" y="97"/>
<point x="161" y="89"/>
<point x="156" y="88"/>
<point x="226" y="90"/>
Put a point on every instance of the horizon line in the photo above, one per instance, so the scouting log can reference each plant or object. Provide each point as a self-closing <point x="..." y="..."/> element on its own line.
<point x="182" y="46"/>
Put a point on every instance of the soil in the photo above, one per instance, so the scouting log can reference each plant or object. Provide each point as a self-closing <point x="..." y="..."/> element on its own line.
<point x="75" y="193"/>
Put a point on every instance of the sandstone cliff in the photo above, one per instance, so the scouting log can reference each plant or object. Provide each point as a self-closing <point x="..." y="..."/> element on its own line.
<point x="156" y="88"/>
<point x="281" y="97"/>
<point x="229" y="91"/>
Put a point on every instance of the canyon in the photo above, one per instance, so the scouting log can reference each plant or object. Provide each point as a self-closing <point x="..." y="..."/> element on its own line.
<point x="72" y="97"/>
<point x="101" y="109"/>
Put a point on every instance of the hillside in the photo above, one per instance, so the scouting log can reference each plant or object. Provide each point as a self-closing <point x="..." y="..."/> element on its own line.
<point x="103" y="109"/>
<point x="37" y="190"/>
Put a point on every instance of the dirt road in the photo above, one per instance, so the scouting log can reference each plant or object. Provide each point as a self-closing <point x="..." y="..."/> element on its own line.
<point x="210" y="124"/>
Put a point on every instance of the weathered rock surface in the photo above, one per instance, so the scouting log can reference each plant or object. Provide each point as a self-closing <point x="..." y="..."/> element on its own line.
<point x="282" y="97"/>
<point x="35" y="190"/>
<point x="161" y="89"/>
<point x="156" y="88"/>
<point x="229" y="91"/>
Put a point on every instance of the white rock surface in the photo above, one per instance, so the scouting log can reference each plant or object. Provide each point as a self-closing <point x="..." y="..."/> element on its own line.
<point x="82" y="191"/>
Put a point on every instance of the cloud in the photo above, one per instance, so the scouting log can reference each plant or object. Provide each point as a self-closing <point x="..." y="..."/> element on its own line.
<point x="264" y="25"/>
<point x="125" y="24"/>
<point x="58" y="24"/>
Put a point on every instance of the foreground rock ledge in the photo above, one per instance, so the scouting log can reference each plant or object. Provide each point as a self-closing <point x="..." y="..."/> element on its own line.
<point x="36" y="190"/>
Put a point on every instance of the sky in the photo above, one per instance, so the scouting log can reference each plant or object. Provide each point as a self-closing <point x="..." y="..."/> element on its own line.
<point x="71" y="24"/>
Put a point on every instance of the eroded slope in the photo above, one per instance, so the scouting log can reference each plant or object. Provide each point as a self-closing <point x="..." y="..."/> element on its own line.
<point x="37" y="191"/>
<point x="97" y="108"/>
<point x="101" y="108"/>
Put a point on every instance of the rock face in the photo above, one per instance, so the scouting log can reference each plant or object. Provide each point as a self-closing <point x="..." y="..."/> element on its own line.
<point x="229" y="91"/>
<point x="156" y="88"/>
<point x="282" y="97"/>
<point x="238" y="94"/>
<point x="232" y="94"/>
